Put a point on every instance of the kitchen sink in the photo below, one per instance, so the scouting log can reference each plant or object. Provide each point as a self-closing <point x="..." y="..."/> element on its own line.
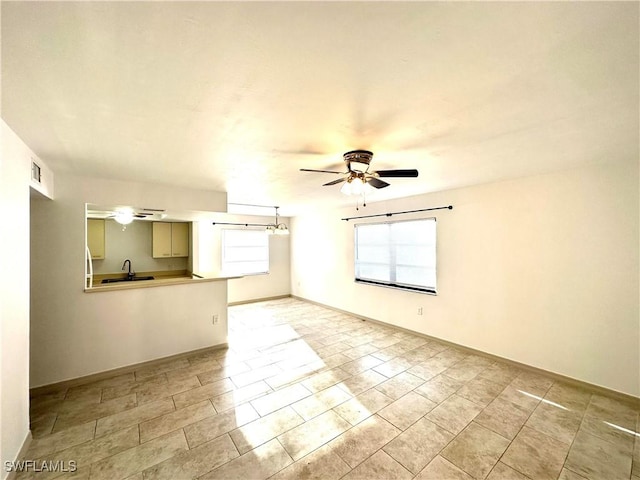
<point x="126" y="279"/>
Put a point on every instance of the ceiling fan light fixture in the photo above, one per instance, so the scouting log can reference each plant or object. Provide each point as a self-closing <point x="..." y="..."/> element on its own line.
<point x="356" y="185"/>
<point x="359" y="179"/>
<point x="346" y="188"/>
<point x="124" y="217"/>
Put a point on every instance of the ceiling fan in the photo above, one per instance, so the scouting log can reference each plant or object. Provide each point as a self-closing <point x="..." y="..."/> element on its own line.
<point x="125" y="216"/>
<point x="358" y="177"/>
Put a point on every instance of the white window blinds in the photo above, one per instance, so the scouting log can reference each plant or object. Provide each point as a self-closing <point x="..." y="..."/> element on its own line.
<point x="245" y="252"/>
<point x="397" y="254"/>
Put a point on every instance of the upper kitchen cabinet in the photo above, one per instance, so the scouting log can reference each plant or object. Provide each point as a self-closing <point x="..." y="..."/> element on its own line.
<point x="179" y="239"/>
<point x="161" y="240"/>
<point x="95" y="238"/>
<point x="170" y="239"/>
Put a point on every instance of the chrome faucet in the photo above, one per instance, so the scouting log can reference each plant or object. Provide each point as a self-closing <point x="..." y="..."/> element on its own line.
<point x="130" y="274"/>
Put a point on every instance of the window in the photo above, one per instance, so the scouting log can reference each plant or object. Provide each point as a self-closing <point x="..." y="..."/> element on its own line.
<point x="397" y="254"/>
<point x="245" y="252"/>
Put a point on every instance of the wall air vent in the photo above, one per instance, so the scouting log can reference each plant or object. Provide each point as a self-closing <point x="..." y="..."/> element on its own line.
<point x="36" y="173"/>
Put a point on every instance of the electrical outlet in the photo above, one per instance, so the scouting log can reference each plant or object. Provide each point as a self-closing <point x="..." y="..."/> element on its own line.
<point x="215" y="319"/>
<point x="419" y="310"/>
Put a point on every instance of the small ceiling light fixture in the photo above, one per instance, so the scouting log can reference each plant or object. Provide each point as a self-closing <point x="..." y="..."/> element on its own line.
<point x="124" y="217"/>
<point x="277" y="228"/>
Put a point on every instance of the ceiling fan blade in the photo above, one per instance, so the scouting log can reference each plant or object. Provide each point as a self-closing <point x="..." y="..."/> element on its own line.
<point x="335" y="182"/>
<point x="321" y="171"/>
<point x="377" y="183"/>
<point x="397" y="173"/>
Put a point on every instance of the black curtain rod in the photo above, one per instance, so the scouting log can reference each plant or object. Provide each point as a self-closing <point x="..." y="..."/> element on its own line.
<point x="244" y="224"/>
<point x="450" y="207"/>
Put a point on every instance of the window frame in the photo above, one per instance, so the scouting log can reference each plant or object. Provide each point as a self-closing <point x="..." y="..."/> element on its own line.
<point x="428" y="290"/>
<point x="223" y="247"/>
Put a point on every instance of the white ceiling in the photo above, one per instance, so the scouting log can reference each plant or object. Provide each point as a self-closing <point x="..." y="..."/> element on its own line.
<point x="238" y="96"/>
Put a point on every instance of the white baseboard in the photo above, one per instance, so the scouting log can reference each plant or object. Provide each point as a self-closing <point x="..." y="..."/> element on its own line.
<point x="255" y="300"/>
<point x="21" y="456"/>
<point x="52" y="387"/>
<point x="556" y="376"/>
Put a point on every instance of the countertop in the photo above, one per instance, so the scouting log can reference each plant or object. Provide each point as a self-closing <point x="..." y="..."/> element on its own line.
<point x="159" y="281"/>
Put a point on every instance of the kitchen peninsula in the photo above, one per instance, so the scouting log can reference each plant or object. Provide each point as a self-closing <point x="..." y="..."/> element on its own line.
<point x="162" y="280"/>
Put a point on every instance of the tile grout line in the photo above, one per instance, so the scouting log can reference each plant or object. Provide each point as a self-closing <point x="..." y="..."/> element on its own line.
<point x="338" y="330"/>
<point x="522" y="427"/>
<point x="584" y="414"/>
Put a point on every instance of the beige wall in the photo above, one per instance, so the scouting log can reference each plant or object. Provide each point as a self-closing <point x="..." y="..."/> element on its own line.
<point x="75" y="333"/>
<point x="15" y="175"/>
<point x="541" y="270"/>
<point x="251" y="287"/>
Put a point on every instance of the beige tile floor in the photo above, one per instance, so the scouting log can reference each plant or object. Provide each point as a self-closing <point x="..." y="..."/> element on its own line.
<point x="306" y="392"/>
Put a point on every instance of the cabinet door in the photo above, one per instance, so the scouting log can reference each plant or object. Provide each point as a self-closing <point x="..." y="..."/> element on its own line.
<point x="161" y="240"/>
<point x="95" y="238"/>
<point x="180" y="240"/>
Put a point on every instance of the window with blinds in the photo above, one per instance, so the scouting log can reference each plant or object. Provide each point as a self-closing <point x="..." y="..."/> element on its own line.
<point x="245" y="252"/>
<point x="397" y="254"/>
